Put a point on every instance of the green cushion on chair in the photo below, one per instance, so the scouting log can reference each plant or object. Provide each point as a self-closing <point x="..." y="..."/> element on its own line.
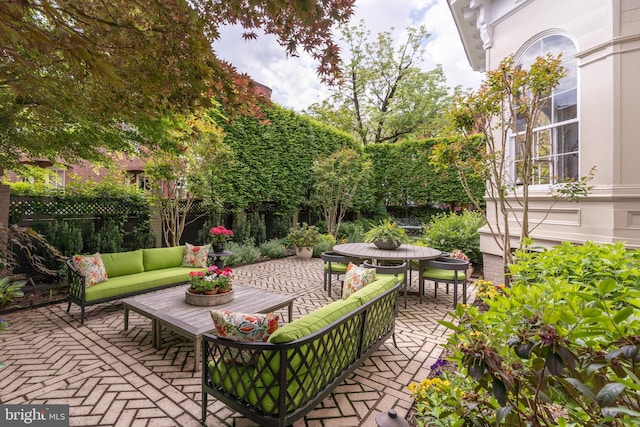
<point x="437" y="273"/>
<point x="338" y="267"/>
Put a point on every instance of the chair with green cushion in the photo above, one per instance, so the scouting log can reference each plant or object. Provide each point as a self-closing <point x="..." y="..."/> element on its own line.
<point x="445" y="270"/>
<point x="335" y="264"/>
<point x="399" y="270"/>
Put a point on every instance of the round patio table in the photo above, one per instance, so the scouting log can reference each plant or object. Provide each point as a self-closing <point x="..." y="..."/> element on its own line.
<point x="403" y="253"/>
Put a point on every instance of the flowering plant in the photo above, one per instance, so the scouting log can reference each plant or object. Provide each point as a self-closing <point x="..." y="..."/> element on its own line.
<point x="214" y="277"/>
<point x="220" y="234"/>
<point x="458" y="254"/>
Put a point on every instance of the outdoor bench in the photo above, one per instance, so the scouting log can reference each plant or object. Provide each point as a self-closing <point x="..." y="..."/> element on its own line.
<point x="129" y="273"/>
<point x="303" y="361"/>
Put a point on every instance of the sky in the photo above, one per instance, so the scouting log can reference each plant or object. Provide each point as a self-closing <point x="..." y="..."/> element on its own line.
<point x="294" y="81"/>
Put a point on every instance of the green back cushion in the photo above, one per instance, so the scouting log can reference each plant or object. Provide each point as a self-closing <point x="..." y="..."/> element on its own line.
<point x="382" y="283"/>
<point x="313" y="321"/>
<point x="157" y="258"/>
<point x="123" y="263"/>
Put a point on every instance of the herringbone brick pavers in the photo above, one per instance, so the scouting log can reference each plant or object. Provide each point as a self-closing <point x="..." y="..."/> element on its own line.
<point x="112" y="377"/>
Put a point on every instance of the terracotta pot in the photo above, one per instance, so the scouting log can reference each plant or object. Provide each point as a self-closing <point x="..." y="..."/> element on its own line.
<point x="213" y="292"/>
<point x="193" y="291"/>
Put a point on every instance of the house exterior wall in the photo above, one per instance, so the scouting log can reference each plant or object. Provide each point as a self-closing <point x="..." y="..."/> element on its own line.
<point x="607" y="36"/>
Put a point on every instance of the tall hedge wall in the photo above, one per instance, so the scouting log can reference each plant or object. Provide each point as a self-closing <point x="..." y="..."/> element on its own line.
<point x="402" y="175"/>
<point x="273" y="161"/>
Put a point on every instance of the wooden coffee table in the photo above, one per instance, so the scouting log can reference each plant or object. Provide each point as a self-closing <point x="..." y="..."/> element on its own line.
<point x="167" y="308"/>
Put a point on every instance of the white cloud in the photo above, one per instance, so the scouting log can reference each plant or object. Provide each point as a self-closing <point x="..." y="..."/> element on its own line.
<point x="294" y="81"/>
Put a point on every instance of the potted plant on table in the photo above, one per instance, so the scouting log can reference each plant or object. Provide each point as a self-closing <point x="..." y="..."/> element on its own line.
<point x="219" y="236"/>
<point x="303" y="238"/>
<point x="196" y="283"/>
<point x="386" y="235"/>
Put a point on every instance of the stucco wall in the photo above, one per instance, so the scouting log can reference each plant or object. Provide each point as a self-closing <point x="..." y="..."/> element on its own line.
<point x="607" y="35"/>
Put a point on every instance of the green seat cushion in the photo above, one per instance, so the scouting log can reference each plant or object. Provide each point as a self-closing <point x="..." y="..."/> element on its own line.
<point x="137" y="282"/>
<point x="122" y="263"/>
<point x="440" y="274"/>
<point x="158" y="258"/>
<point x="382" y="283"/>
<point x="237" y="380"/>
<point x="313" y="321"/>
<point x="338" y="267"/>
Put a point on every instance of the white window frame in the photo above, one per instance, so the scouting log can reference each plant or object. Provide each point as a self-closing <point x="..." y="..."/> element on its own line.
<point x="554" y="156"/>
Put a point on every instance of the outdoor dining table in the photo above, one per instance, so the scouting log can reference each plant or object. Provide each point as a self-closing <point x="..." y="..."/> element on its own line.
<point x="371" y="251"/>
<point x="403" y="253"/>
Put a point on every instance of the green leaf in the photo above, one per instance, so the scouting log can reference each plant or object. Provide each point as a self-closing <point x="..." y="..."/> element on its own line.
<point x="606" y="286"/>
<point x="609" y="394"/>
<point x="623" y="314"/>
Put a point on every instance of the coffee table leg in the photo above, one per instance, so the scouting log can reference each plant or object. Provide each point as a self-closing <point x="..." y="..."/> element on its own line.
<point x="291" y="309"/>
<point x="126" y="318"/>
<point x="197" y="349"/>
<point x="156" y="333"/>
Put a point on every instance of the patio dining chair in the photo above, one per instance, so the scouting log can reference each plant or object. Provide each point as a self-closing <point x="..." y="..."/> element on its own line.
<point x="399" y="270"/>
<point x="335" y="264"/>
<point x="445" y="270"/>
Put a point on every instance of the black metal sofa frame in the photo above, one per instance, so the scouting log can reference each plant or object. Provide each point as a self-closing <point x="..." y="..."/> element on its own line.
<point x="290" y="379"/>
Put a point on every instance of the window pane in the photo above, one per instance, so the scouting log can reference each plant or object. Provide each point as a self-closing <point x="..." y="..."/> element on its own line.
<point x="542" y="170"/>
<point x="559" y="44"/>
<point x="568" y="139"/>
<point x="565" y="106"/>
<point x="570" y="81"/>
<point x="544" y="119"/>
<point x="567" y="166"/>
<point x="543" y="144"/>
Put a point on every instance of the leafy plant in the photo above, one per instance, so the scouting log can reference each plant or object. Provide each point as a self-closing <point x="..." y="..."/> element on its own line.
<point x="558" y="347"/>
<point x="243" y="253"/>
<point x="387" y="230"/>
<point x="10" y="290"/>
<point x="303" y="235"/>
<point x="448" y="232"/>
<point x="273" y="249"/>
<point x="325" y="243"/>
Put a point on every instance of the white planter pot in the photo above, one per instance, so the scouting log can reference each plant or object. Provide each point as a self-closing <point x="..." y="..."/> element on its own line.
<point x="304" y="253"/>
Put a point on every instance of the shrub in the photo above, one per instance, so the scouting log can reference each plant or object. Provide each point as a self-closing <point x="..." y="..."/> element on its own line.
<point x="273" y="249"/>
<point x="243" y="253"/>
<point x="325" y="244"/>
<point x="559" y="347"/>
<point x="451" y="231"/>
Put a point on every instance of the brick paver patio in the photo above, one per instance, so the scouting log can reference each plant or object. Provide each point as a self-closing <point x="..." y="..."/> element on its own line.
<point x="112" y="377"/>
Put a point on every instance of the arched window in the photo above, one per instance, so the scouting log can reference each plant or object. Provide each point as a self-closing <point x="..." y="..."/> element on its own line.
<point x="556" y="151"/>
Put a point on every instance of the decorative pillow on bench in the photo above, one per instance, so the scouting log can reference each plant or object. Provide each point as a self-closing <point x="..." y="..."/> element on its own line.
<point x="91" y="267"/>
<point x="356" y="278"/>
<point x="245" y="328"/>
<point x="195" y="256"/>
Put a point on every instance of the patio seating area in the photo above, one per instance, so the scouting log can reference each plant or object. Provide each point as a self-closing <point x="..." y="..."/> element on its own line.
<point x="111" y="377"/>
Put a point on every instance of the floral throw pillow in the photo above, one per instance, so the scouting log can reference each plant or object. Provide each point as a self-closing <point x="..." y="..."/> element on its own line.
<point x="245" y="328"/>
<point x="356" y="278"/>
<point x="195" y="256"/>
<point x="91" y="267"/>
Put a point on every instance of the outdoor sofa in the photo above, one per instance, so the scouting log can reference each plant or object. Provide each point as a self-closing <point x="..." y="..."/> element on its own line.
<point x="129" y="273"/>
<point x="302" y="361"/>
